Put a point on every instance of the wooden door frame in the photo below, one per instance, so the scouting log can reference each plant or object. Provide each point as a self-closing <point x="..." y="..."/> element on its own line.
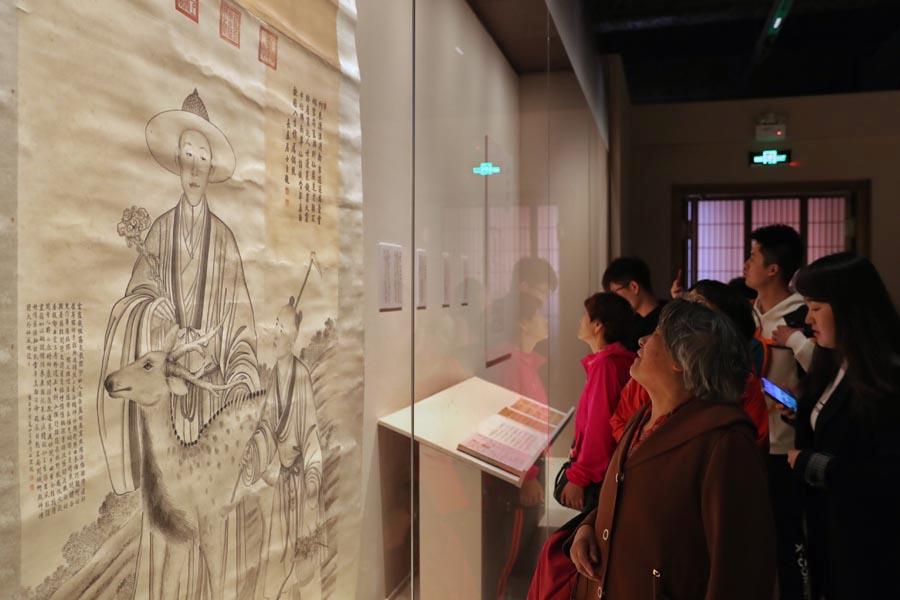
<point x="858" y="191"/>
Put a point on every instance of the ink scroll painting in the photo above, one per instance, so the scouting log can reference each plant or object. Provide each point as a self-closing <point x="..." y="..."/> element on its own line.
<point x="188" y="214"/>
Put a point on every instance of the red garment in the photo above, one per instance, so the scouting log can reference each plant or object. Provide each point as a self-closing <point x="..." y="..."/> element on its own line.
<point x="607" y="372"/>
<point x="635" y="396"/>
<point x="554" y="577"/>
<point x="521" y="374"/>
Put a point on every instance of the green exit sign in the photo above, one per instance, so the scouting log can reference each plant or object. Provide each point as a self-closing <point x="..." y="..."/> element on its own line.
<point x="485" y="169"/>
<point x="770" y="158"/>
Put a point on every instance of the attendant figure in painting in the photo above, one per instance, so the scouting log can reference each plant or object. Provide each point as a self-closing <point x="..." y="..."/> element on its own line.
<point x="188" y="273"/>
<point x="285" y="451"/>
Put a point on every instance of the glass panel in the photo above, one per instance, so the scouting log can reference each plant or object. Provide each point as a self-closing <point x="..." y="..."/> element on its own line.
<point x="480" y="310"/>
<point x="508" y="240"/>
<point x="826" y="228"/>
<point x="509" y="212"/>
<point x="720" y="239"/>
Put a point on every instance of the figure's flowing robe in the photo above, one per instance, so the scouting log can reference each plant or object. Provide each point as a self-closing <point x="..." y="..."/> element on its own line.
<point x="202" y="285"/>
<point x="196" y="282"/>
<point x="287" y="441"/>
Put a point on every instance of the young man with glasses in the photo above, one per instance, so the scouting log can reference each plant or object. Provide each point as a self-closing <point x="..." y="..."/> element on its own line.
<point x="629" y="277"/>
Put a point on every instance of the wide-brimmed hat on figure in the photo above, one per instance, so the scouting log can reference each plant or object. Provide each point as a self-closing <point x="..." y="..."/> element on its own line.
<point x="165" y="129"/>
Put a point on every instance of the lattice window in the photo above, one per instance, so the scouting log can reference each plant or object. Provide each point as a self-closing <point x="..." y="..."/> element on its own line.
<point x="827" y="227"/>
<point x="720" y="239"/>
<point x="717" y="241"/>
<point x="772" y="211"/>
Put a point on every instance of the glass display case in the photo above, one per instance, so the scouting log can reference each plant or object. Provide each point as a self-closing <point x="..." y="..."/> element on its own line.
<point x="294" y="313"/>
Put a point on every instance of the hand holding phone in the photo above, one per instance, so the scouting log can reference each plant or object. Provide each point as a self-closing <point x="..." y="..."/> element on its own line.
<point x="780" y="395"/>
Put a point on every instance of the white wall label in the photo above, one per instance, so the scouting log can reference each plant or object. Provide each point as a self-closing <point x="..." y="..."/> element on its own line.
<point x="390" y="277"/>
<point x="421" y="278"/>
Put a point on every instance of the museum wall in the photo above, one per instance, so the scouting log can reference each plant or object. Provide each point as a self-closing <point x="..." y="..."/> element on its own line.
<point x="833" y="138"/>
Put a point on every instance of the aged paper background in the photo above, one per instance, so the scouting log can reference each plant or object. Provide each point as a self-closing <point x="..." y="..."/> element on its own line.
<point x="91" y="75"/>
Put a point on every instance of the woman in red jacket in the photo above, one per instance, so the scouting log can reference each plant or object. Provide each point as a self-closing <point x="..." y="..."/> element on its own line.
<point x="605" y="323"/>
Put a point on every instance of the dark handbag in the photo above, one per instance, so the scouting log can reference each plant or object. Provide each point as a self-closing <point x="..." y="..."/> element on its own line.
<point x="591" y="492"/>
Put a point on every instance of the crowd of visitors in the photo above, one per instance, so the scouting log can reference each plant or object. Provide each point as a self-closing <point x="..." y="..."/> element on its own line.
<point x="740" y="440"/>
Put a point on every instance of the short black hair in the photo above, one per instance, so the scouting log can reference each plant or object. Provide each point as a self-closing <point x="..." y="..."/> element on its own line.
<point x="740" y="284"/>
<point x="534" y="271"/>
<point x="626" y="269"/>
<point x="730" y="302"/>
<point x="613" y="312"/>
<point x="780" y="245"/>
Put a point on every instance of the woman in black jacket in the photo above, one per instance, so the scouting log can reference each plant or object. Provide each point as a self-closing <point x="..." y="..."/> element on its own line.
<point x="848" y="431"/>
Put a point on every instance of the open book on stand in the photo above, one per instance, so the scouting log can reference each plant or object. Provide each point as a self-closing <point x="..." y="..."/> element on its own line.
<point x="515" y="437"/>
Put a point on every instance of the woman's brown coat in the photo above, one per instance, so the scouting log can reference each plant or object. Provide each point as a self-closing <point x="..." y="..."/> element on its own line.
<point x="687" y="515"/>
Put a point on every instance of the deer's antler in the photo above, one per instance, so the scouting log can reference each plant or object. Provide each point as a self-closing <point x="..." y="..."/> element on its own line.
<point x="173" y="369"/>
<point x="198" y="345"/>
<point x="208" y="368"/>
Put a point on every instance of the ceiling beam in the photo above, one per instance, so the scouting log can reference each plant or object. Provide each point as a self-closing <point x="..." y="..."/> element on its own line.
<point x="616" y="19"/>
<point x="665" y="21"/>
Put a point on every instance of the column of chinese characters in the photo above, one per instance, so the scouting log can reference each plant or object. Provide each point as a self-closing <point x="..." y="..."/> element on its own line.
<point x="54" y="349"/>
<point x="303" y="147"/>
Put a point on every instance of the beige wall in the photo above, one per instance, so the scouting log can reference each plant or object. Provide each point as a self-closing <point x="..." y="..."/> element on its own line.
<point x="833" y="138"/>
<point x="564" y="164"/>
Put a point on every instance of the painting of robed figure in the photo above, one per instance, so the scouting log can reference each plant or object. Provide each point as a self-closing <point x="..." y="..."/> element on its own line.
<point x="189" y="273"/>
<point x="189" y="278"/>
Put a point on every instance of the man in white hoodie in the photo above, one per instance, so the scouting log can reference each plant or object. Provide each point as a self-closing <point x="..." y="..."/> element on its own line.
<point x="776" y="252"/>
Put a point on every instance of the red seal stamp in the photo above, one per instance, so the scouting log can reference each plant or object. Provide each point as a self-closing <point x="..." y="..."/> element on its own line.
<point x="189" y="8"/>
<point x="268" y="47"/>
<point x="230" y="23"/>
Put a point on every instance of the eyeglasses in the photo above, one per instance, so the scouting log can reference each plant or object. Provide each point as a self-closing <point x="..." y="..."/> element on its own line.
<point x="618" y="289"/>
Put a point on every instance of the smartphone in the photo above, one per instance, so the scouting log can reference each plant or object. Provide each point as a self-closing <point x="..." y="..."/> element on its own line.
<point x="798" y="321"/>
<point x="779" y="395"/>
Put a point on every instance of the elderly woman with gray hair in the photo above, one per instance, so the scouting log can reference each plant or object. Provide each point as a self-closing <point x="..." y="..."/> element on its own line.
<point x="684" y="510"/>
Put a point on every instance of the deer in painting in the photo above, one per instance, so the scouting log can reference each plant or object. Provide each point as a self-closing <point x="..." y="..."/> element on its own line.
<point x="187" y="489"/>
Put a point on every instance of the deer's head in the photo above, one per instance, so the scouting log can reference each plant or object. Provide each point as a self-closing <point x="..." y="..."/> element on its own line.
<point x="157" y="374"/>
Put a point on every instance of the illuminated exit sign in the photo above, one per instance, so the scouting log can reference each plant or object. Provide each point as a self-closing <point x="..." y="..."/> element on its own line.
<point x="485" y="169"/>
<point x="770" y="158"/>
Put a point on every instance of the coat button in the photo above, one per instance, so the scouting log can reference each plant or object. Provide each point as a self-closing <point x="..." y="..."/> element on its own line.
<point x="620" y="477"/>
<point x="605" y="534"/>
